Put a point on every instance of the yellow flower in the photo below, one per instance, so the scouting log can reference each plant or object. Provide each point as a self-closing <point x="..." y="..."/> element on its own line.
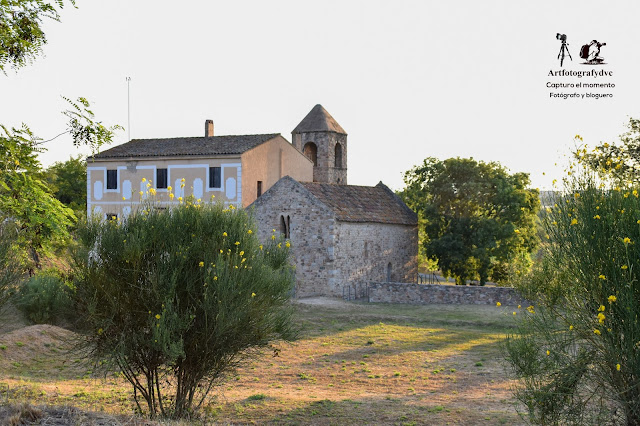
<point x="249" y="232"/>
<point x="596" y="331"/>
<point x="158" y="316"/>
<point x="530" y="309"/>
<point x="144" y="179"/>
<point x="237" y="243"/>
<point x="253" y="295"/>
<point x="152" y="191"/>
<point x="221" y="251"/>
<point x="260" y="246"/>
<point x="602" y="277"/>
<point x="148" y="185"/>
<point x="287" y="244"/>
<point x="519" y="306"/>
<point x="273" y="230"/>
<point x="517" y="231"/>
<point x="231" y="207"/>
<point x="140" y="193"/>
<point x="123" y="199"/>
<point x="554" y="223"/>
<point x="224" y="234"/>
<point x="498" y="304"/>
<point x="597" y="216"/>
<point x="601" y="317"/>
<point x="612" y="298"/>
<point x="548" y="353"/>
<point x="101" y="330"/>
<point x="570" y="327"/>
<point x="179" y="198"/>
<point x="242" y="253"/>
<point x="215" y="278"/>
<point x="635" y="193"/>
<point x="626" y="240"/>
<point x="169" y="188"/>
<point x="624" y="267"/>
<point x="171" y="195"/>
<point x="201" y="264"/>
<point x="574" y="221"/>
<point x="601" y="308"/>
<point x="514" y="312"/>
<point x="273" y="237"/>
<point x="618" y="367"/>
<point x="182" y="180"/>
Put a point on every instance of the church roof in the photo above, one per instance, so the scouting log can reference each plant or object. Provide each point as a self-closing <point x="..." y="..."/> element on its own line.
<point x="352" y="203"/>
<point x="319" y="120"/>
<point x="215" y="145"/>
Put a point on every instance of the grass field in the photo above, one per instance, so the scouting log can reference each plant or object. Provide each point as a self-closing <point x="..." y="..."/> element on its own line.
<point x="353" y="364"/>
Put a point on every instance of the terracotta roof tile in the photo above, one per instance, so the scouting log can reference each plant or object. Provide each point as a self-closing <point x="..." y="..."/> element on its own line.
<point x="216" y="145"/>
<point x="352" y="203"/>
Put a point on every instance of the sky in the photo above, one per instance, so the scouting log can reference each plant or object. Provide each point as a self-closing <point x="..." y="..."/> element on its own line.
<point x="407" y="80"/>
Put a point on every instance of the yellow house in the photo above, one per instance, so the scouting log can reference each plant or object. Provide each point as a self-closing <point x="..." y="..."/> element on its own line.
<point x="232" y="169"/>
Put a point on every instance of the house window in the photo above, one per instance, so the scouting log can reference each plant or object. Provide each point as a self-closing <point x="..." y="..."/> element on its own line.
<point x="285" y="226"/>
<point x="112" y="179"/>
<point x="161" y="178"/>
<point x="259" y="188"/>
<point x="215" y="174"/>
<point x="338" y="156"/>
<point x="311" y="151"/>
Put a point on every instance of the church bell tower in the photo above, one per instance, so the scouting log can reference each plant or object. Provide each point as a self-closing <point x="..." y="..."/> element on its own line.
<point x="323" y="141"/>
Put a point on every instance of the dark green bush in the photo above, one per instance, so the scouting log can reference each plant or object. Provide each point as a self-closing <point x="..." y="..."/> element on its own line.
<point x="45" y="298"/>
<point x="576" y="353"/>
<point x="176" y="299"/>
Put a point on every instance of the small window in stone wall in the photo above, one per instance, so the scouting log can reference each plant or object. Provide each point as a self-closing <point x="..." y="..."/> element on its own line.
<point x="389" y="272"/>
<point x="285" y="226"/>
<point x="366" y="250"/>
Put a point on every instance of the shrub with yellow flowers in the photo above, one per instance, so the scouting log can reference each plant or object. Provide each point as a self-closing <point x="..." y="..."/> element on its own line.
<point x="176" y="299"/>
<point x="576" y="356"/>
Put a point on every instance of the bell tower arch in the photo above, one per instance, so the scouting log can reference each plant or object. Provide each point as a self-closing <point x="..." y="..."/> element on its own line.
<point x="324" y="141"/>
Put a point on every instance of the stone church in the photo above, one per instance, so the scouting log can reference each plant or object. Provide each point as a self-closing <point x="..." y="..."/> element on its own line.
<point x="341" y="235"/>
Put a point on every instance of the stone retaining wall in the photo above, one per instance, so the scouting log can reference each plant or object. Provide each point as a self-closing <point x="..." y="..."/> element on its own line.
<point x="423" y="294"/>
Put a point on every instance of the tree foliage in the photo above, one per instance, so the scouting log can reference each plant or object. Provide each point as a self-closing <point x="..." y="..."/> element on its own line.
<point x="177" y="299"/>
<point x="21" y="34"/>
<point x="68" y="182"/>
<point x="477" y="218"/>
<point x="576" y="357"/>
<point x="9" y="265"/>
<point x="621" y="161"/>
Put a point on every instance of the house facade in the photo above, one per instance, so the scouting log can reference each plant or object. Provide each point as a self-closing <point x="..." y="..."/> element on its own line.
<point x="234" y="170"/>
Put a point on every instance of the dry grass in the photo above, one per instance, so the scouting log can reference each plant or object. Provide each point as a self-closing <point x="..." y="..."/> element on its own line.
<point x="354" y="364"/>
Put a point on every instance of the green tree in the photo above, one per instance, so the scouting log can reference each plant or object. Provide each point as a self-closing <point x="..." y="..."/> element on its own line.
<point x="21" y="34"/>
<point x="10" y="271"/>
<point x="175" y="300"/>
<point x="621" y="161"/>
<point x="68" y="182"/>
<point x="576" y="356"/>
<point x="477" y="218"/>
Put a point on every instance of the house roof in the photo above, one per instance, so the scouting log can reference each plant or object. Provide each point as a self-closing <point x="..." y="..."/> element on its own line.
<point x="352" y="203"/>
<point x="318" y="120"/>
<point x="216" y="145"/>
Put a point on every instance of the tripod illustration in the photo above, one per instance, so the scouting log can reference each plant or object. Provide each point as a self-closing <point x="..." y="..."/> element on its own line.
<point x="563" y="48"/>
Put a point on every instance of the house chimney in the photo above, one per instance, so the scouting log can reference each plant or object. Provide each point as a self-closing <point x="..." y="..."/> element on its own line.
<point x="208" y="129"/>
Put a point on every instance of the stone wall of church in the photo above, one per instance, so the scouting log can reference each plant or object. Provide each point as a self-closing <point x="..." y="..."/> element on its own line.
<point x="376" y="252"/>
<point x="325" y="170"/>
<point x="311" y="233"/>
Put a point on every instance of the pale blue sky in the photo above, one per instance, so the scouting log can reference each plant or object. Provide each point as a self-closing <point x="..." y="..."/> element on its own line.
<point x="405" y="79"/>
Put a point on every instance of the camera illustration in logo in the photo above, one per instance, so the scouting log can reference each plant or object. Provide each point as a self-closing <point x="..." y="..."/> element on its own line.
<point x="591" y="53"/>
<point x="564" y="50"/>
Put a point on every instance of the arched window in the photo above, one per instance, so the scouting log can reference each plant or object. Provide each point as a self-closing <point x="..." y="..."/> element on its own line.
<point x="338" y="156"/>
<point x="284" y="226"/>
<point x="311" y="151"/>
<point x="389" y="272"/>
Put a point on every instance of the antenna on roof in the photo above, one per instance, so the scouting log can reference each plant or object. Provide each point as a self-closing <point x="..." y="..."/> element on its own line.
<point x="128" y="109"/>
